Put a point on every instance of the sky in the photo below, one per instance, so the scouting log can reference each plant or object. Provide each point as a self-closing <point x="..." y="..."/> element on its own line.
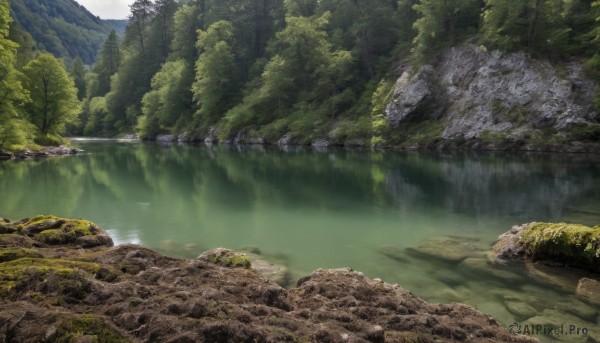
<point x="108" y="9"/>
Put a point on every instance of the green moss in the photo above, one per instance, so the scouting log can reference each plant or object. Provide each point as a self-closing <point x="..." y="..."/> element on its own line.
<point x="235" y="261"/>
<point x="41" y="219"/>
<point x="7" y="227"/>
<point x="56" y="236"/>
<point x="87" y="325"/>
<point x="14" y="271"/>
<point x="17" y="253"/>
<point x="239" y="261"/>
<point x="569" y="243"/>
<point x="67" y="233"/>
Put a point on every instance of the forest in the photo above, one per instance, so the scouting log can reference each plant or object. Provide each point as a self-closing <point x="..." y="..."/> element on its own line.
<point x="268" y="68"/>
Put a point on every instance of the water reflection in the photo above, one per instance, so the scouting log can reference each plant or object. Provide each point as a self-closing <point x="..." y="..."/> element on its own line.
<point x="328" y="208"/>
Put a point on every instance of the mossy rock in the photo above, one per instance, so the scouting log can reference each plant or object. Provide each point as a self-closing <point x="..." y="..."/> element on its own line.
<point x="15" y="271"/>
<point x="54" y="230"/>
<point x="571" y="244"/>
<point x="226" y="258"/>
<point x="10" y="254"/>
<point x="93" y="328"/>
<point x="14" y="240"/>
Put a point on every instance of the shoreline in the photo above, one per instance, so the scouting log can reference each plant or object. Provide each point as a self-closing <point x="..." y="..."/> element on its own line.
<point x="129" y="293"/>
<point x="446" y="146"/>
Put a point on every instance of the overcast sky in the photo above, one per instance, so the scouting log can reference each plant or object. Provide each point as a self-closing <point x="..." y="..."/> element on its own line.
<point x="108" y="9"/>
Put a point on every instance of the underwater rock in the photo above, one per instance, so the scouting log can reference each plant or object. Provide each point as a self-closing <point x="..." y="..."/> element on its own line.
<point x="589" y="290"/>
<point x="447" y="248"/>
<point x="482" y="266"/>
<point x="520" y="309"/>
<point x="394" y="253"/>
<point x="565" y="279"/>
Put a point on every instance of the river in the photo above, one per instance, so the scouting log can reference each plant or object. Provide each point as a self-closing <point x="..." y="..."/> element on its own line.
<point x="332" y="208"/>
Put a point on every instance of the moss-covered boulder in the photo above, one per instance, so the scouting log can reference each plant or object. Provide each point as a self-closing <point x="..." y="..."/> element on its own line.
<point x="52" y="230"/>
<point x="226" y="258"/>
<point x="566" y="244"/>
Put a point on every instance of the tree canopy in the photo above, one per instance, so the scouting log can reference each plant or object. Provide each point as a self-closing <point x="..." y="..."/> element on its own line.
<point x="53" y="94"/>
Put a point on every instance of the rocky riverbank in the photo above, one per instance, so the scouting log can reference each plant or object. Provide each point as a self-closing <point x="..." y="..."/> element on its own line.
<point x="62" y="281"/>
<point x="45" y="151"/>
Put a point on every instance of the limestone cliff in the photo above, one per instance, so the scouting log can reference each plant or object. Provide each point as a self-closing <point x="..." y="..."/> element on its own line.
<point x="495" y="99"/>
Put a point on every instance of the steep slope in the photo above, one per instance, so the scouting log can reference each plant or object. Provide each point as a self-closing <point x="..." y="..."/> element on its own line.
<point x="63" y="27"/>
<point x="487" y="99"/>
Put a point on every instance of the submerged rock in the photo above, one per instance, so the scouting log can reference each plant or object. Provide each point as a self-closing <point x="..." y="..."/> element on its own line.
<point x="559" y="277"/>
<point x="132" y="294"/>
<point x="448" y="248"/>
<point x="589" y="290"/>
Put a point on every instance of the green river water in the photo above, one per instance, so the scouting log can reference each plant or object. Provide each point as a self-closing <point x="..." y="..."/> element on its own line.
<point x="333" y="208"/>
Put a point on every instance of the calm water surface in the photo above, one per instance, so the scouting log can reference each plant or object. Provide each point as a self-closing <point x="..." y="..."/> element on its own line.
<point x="319" y="208"/>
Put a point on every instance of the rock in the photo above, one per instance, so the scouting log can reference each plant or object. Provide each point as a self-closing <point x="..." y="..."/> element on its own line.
<point x="481" y="265"/>
<point x="589" y="290"/>
<point x="5" y="155"/>
<point x="183" y="138"/>
<point x="274" y="272"/>
<point x="492" y="94"/>
<point x="448" y="248"/>
<point x="394" y="253"/>
<point x="563" y="278"/>
<point x="211" y="138"/>
<point x="130" y="137"/>
<point x="520" y="309"/>
<point x="412" y="96"/>
<point x="166" y="138"/>
<point x="508" y="246"/>
<point x="61" y="150"/>
<point x="94" y="241"/>
<point x="226" y="257"/>
<point x="287" y="139"/>
<point x="321" y="143"/>
<point x="131" y="293"/>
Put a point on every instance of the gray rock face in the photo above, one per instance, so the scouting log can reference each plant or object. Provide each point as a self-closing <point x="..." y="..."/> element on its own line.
<point x="287" y="139"/>
<point x="411" y="95"/>
<point x="166" y="138"/>
<point x="211" y="138"/>
<point x="479" y="91"/>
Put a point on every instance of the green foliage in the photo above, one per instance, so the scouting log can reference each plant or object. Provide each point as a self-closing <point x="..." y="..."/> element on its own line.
<point x="215" y="73"/>
<point x="536" y="24"/>
<point x="78" y="74"/>
<point x="443" y="23"/>
<point x="12" y="129"/>
<point x="169" y="102"/>
<point x="569" y="243"/>
<point x="48" y="140"/>
<point x="53" y="94"/>
<point x="106" y="66"/>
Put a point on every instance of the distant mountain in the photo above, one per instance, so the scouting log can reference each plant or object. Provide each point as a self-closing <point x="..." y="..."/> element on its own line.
<point x="64" y="27"/>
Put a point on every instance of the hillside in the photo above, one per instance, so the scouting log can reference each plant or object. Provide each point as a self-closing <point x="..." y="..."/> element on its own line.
<point x="63" y="27"/>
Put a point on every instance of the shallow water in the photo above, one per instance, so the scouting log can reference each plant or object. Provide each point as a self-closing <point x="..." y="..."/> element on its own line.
<point x="323" y="209"/>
